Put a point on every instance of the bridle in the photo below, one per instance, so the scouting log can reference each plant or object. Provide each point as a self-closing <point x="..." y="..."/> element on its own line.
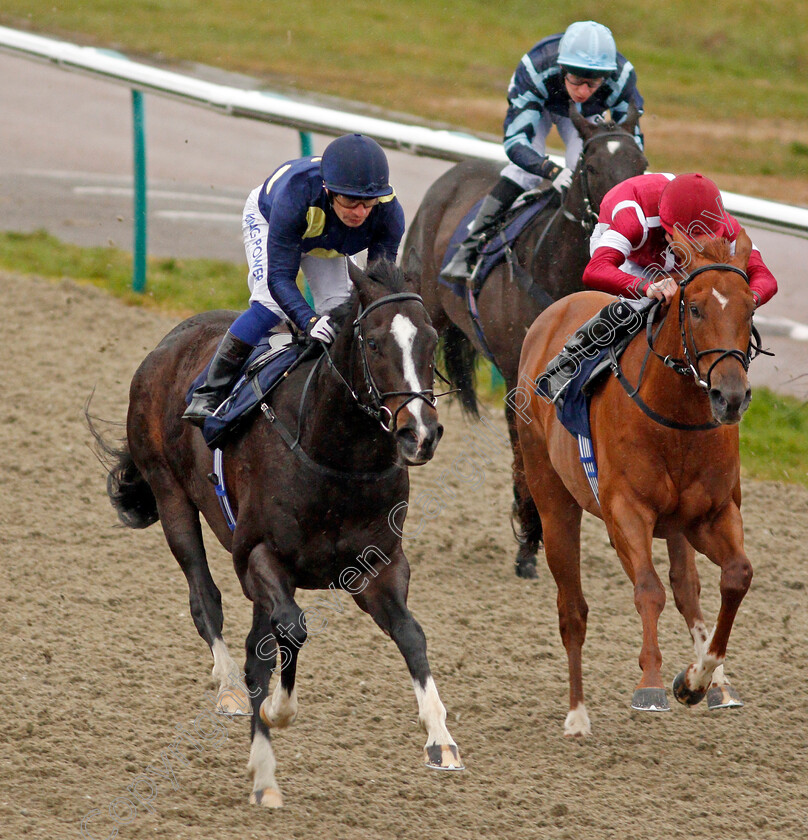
<point x="590" y="214"/>
<point x="374" y="406"/>
<point x="688" y="365"/>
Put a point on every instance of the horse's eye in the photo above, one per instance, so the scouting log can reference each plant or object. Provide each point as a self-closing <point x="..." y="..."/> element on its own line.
<point x="372" y="344"/>
<point x="694" y="311"/>
<point x="591" y="169"/>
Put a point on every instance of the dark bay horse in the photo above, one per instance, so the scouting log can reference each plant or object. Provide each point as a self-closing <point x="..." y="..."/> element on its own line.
<point x="553" y="250"/>
<point x="668" y="467"/>
<point x="311" y="480"/>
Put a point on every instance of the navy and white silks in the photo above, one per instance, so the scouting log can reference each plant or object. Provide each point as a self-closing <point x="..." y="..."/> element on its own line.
<point x="538" y="99"/>
<point x="289" y="224"/>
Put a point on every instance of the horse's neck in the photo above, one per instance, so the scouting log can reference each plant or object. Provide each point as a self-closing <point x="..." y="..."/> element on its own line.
<point x="334" y="430"/>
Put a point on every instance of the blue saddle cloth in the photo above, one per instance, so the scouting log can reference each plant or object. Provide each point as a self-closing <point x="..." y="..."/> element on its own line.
<point x="260" y="375"/>
<point x="493" y="252"/>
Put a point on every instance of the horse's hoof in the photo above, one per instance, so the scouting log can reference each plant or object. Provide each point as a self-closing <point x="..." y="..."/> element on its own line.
<point x="232" y="702"/>
<point x="443" y="757"/>
<point x="276" y="720"/>
<point x="267" y="798"/>
<point x="684" y="694"/>
<point x="526" y="568"/>
<point x="650" y="700"/>
<point x="723" y="697"/>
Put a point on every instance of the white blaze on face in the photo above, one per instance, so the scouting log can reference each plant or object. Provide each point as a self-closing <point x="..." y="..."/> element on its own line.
<point x="720" y="298"/>
<point x="612" y="146"/>
<point x="404" y="332"/>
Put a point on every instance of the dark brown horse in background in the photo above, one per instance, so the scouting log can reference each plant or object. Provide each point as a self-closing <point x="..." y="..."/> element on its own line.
<point x="668" y="467"/>
<point x="551" y="253"/>
<point x="311" y="509"/>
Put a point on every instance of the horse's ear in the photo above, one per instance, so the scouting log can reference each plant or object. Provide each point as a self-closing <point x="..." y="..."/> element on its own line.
<point x="683" y="243"/>
<point x="632" y="118"/>
<point x="585" y="129"/>
<point x="366" y="286"/>
<point x="743" y="248"/>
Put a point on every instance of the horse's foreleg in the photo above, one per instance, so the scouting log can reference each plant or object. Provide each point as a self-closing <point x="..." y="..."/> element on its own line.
<point x="631" y="532"/>
<point x="721" y="539"/>
<point x="261" y="660"/>
<point x="384" y="598"/>
<point x="267" y="584"/>
<point x="180" y="521"/>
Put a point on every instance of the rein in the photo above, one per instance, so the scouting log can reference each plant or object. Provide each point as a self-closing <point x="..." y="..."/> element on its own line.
<point x="688" y="365"/>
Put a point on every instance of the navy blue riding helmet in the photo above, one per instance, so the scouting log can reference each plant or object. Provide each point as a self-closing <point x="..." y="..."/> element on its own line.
<point x="355" y="166"/>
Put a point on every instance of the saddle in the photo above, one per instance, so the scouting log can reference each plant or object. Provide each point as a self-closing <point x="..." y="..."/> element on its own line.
<point x="497" y="240"/>
<point x="272" y="359"/>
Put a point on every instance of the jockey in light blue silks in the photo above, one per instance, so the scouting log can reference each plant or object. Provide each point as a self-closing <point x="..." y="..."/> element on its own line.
<point x="581" y="65"/>
<point x="311" y="214"/>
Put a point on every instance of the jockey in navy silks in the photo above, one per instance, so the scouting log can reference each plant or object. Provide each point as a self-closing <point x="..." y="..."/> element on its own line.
<point x="580" y="66"/>
<point x="311" y="214"/>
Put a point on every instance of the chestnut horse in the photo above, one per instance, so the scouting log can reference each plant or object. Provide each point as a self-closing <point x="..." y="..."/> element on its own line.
<point x="665" y="438"/>
<point x="550" y="254"/>
<point x="311" y="509"/>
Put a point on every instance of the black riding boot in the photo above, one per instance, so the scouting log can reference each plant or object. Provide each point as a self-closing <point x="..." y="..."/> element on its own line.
<point x="493" y="208"/>
<point x="223" y="372"/>
<point x="605" y="329"/>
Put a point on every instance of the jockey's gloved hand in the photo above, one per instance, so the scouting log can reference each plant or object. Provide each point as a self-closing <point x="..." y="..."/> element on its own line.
<point x="321" y="329"/>
<point x="562" y="180"/>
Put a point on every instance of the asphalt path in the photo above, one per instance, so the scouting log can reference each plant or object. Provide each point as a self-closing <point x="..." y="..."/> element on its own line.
<point x="66" y="167"/>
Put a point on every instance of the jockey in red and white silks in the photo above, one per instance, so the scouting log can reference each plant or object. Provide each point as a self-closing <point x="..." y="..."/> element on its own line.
<point x="630" y="247"/>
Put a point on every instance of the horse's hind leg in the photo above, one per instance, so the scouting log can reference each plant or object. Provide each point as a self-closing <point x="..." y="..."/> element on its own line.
<point x="562" y="547"/>
<point x="384" y="598"/>
<point x="686" y="588"/>
<point x="180" y="521"/>
<point x="529" y="533"/>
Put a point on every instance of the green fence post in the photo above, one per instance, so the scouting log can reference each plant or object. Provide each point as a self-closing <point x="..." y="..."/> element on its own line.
<point x="306" y="144"/>
<point x="139" y="153"/>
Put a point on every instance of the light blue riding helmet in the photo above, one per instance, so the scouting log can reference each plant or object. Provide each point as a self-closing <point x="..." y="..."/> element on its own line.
<point x="588" y="49"/>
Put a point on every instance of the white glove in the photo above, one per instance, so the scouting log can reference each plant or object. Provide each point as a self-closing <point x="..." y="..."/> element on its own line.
<point x="562" y="180"/>
<point x="321" y="329"/>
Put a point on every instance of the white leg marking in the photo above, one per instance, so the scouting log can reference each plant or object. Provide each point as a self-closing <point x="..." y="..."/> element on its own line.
<point x="577" y="722"/>
<point x="720" y="298"/>
<point x="404" y="332"/>
<point x="718" y="677"/>
<point x="232" y="697"/>
<point x="262" y="763"/>
<point x="282" y="709"/>
<point x="700" y="673"/>
<point x="432" y="713"/>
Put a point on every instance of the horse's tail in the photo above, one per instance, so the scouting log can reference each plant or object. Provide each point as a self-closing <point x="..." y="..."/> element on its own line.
<point x="128" y="490"/>
<point x="459" y="357"/>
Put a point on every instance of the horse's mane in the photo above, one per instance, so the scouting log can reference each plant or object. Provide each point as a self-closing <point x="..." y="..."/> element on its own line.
<point x="715" y="248"/>
<point x="384" y="272"/>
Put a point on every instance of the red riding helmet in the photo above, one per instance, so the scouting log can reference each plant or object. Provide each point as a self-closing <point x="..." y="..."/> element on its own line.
<point x="692" y="200"/>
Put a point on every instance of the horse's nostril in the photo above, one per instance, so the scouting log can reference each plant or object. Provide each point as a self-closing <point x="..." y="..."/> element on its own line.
<point x="407" y="436"/>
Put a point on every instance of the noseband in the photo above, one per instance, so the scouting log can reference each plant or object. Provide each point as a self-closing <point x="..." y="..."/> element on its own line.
<point x="375" y="406"/>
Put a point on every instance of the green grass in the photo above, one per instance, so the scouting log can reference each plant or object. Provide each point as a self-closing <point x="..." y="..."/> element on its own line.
<point x="179" y="286"/>
<point x="774" y="438"/>
<point x="774" y="431"/>
<point x="737" y="61"/>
